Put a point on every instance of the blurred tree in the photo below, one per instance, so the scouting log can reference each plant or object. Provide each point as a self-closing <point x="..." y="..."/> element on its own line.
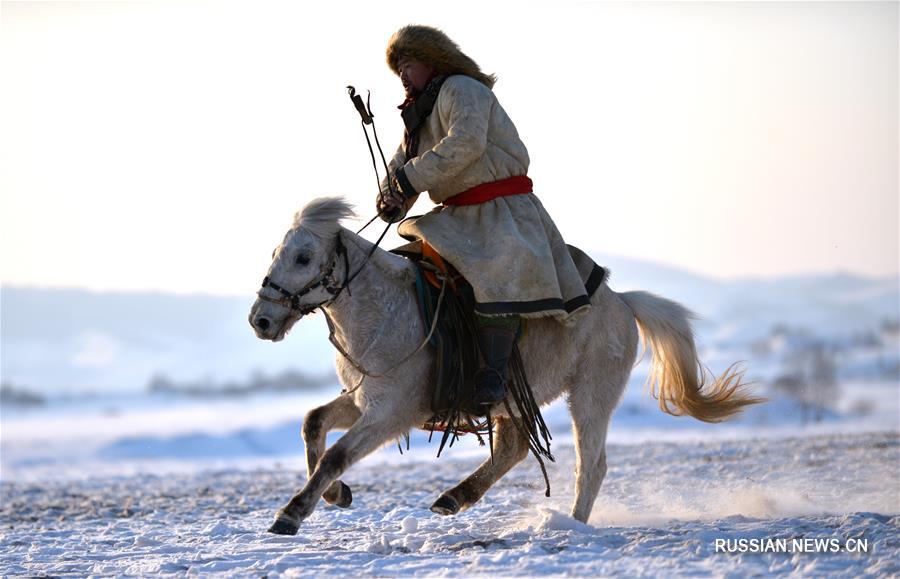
<point x="17" y="396"/>
<point x="810" y="379"/>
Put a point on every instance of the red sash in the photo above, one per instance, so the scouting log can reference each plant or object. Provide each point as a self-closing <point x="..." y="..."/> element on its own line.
<point x="487" y="191"/>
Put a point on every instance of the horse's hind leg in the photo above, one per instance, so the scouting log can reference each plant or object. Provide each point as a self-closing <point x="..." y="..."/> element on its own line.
<point x="591" y="407"/>
<point x="339" y="413"/>
<point x="509" y="449"/>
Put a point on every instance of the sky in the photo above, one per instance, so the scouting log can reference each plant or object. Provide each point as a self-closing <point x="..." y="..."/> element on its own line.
<point x="166" y="145"/>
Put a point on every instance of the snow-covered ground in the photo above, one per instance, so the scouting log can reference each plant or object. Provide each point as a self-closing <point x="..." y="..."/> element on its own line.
<point x="156" y="484"/>
<point x="661" y="512"/>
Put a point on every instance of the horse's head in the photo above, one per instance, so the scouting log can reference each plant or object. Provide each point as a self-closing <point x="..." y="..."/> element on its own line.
<point x="305" y="269"/>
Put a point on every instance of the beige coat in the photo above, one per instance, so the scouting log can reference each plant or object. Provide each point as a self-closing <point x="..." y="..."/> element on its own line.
<point x="507" y="248"/>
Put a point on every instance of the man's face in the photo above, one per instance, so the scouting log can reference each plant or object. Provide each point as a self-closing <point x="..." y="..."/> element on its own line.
<point x="414" y="75"/>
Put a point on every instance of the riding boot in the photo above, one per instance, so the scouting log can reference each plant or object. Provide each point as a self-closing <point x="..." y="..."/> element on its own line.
<point x="496" y="336"/>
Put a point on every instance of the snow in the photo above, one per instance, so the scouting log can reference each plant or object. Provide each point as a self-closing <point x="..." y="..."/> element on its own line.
<point x="156" y="485"/>
<point x="661" y="510"/>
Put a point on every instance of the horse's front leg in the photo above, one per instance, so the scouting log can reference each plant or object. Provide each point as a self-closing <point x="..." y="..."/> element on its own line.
<point x="366" y="435"/>
<point x="339" y="413"/>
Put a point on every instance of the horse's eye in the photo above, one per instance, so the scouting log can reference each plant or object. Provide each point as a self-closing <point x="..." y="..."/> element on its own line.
<point x="301" y="259"/>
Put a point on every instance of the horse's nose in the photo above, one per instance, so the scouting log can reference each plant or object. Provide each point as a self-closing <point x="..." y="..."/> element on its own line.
<point x="262" y="323"/>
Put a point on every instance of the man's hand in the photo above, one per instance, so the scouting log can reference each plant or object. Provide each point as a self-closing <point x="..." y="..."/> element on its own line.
<point x="390" y="203"/>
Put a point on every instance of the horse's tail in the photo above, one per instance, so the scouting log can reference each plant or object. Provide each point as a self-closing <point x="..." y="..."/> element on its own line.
<point x="677" y="378"/>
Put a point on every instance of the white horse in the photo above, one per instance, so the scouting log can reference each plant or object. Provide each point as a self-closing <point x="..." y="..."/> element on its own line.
<point x="378" y="324"/>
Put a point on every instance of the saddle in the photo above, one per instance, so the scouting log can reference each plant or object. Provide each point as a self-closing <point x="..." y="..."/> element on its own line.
<point x="455" y="338"/>
<point x="444" y="293"/>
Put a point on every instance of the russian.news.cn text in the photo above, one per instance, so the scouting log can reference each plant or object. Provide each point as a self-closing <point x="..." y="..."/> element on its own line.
<point x="795" y="545"/>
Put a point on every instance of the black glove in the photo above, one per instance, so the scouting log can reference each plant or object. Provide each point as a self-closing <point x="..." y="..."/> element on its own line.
<point x="393" y="197"/>
<point x="390" y="205"/>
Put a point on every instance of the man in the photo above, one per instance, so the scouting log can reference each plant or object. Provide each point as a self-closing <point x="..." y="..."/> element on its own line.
<point x="462" y="148"/>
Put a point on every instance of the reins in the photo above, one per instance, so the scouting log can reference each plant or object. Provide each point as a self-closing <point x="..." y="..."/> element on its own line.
<point x="362" y="369"/>
<point x="292" y="299"/>
<point x="326" y="280"/>
<point x="367" y="117"/>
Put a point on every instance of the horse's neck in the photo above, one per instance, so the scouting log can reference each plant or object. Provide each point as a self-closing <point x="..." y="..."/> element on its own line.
<point x="384" y="279"/>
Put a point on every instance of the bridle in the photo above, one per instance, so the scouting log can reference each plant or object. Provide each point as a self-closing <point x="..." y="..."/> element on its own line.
<point x="325" y="280"/>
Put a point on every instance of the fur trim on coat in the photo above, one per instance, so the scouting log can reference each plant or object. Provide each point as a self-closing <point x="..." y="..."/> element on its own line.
<point x="434" y="48"/>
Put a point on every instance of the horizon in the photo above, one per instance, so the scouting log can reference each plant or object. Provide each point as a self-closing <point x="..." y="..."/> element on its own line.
<point x="72" y="339"/>
<point x="729" y="141"/>
<point x="661" y="266"/>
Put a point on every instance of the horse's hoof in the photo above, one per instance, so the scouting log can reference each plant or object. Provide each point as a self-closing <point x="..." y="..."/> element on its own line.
<point x="343" y="497"/>
<point x="283" y="526"/>
<point x="445" y="505"/>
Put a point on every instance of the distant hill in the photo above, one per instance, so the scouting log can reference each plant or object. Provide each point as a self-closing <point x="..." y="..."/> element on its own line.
<point x="747" y="309"/>
<point x="76" y="340"/>
<point x="69" y="340"/>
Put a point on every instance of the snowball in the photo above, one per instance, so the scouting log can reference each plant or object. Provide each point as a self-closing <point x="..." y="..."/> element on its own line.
<point x="381" y="546"/>
<point x="216" y="529"/>
<point x="145" y="540"/>
<point x="410" y="524"/>
<point x="555" y="521"/>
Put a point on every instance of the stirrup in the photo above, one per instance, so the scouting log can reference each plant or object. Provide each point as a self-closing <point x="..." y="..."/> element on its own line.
<point x="487" y="393"/>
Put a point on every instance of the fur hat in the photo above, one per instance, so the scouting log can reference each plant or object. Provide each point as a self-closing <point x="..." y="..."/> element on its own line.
<point x="434" y="48"/>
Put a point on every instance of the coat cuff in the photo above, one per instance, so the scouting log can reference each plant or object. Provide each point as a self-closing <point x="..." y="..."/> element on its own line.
<point x="405" y="186"/>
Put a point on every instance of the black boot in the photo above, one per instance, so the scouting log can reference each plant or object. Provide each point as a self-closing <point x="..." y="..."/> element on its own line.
<point x="496" y="343"/>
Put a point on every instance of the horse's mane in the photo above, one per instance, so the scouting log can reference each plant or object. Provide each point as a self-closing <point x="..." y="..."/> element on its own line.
<point x="322" y="215"/>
